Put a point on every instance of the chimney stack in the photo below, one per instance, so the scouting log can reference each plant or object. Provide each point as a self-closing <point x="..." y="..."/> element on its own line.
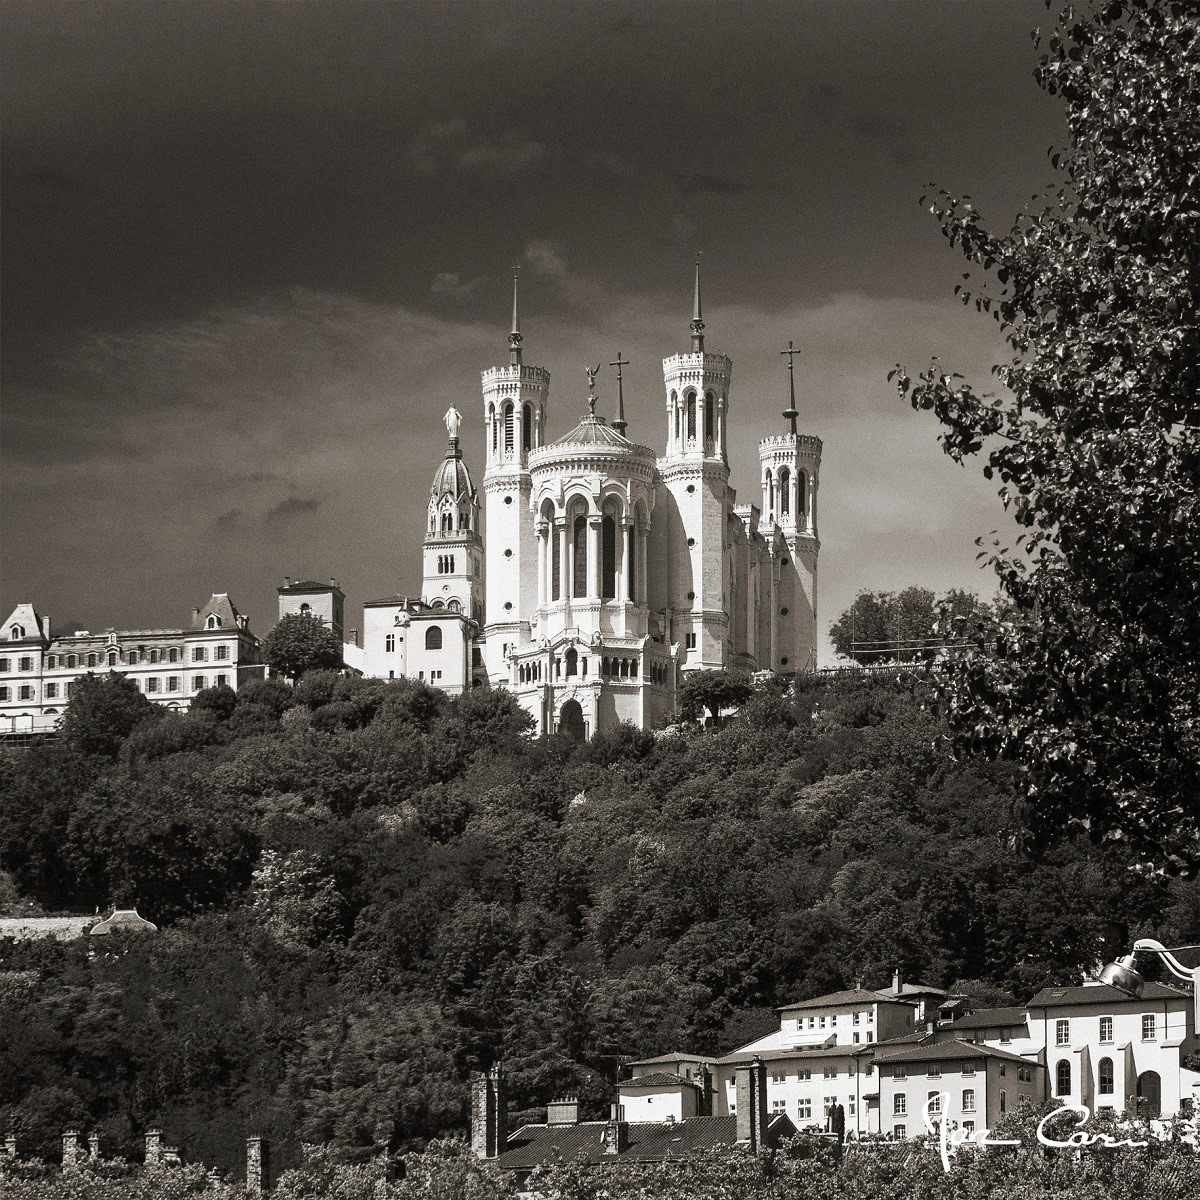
<point x="563" y="1111"/>
<point x="751" y="1090"/>
<point x="153" y="1147"/>
<point x="94" y="1146"/>
<point x="615" y="1136"/>
<point x="257" y="1165"/>
<point x="897" y="981"/>
<point x="489" y="1118"/>
<point x="72" y="1149"/>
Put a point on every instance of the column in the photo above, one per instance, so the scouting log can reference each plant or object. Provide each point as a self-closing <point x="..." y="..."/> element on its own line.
<point x="627" y="576"/>
<point x="642" y="536"/>
<point x="595" y="557"/>
<point x="670" y="427"/>
<point x="566" y="574"/>
<point x="794" y="499"/>
<point x="543" y="546"/>
<point x="720" y="448"/>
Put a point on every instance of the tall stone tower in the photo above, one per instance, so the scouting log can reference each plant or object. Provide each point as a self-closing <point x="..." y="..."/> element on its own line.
<point x="689" y="533"/>
<point x="790" y="466"/>
<point x="452" y="550"/>
<point x="515" y="401"/>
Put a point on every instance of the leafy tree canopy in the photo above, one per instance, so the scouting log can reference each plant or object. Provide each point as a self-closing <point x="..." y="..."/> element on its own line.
<point x="102" y="712"/>
<point x="1093" y="685"/>
<point x="711" y="691"/>
<point x="301" y="642"/>
<point x="908" y="626"/>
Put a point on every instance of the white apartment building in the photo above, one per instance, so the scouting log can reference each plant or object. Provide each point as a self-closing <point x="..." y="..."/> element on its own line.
<point x="169" y="666"/>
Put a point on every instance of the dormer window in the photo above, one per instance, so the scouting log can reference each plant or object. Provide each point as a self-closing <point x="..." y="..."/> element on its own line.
<point x="214" y="622"/>
<point x="17" y="632"/>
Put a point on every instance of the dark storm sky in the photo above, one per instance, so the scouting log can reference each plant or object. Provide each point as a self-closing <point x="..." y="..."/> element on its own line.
<point x="253" y="251"/>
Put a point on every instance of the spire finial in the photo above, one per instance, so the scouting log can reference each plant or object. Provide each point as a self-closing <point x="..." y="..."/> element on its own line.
<point x="514" y="338"/>
<point x="620" y="424"/>
<point x="790" y="412"/>
<point x="697" y="325"/>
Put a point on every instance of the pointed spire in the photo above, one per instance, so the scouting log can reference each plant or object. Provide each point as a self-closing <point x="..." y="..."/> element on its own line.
<point x="620" y="423"/>
<point x="697" y="325"/>
<point x="790" y="412"/>
<point x="514" y="338"/>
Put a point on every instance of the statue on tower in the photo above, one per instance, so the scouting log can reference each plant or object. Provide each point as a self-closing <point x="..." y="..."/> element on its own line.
<point x="453" y="420"/>
<point x="591" y="373"/>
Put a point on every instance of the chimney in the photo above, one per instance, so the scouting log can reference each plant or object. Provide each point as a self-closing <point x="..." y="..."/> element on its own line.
<point x="897" y="981"/>
<point x="94" y="1146"/>
<point x="257" y="1165"/>
<point x="563" y="1111"/>
<point x="615" y="1136"/>
<point x="72" y="1149"/>
<point x="153" y="1147"/>
<point x="751" y="1090"/>
<point x="46" y="627"/>
<point x="489" y="1118"/>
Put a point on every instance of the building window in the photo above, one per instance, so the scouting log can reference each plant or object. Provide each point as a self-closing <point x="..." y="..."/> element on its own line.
<point x="155" y="655"/>
<point x="1149" y="1027"/>
<point x="3" y="693"/>
<point x="221" y="681"/>
<point x="830" y="1073"/>
<point x="17" y="632"/>
<point x="1062" y="1033"/>
<point x="1003" y="1070"/>
<point x="851" y="1106"/>
<point x="199" y="654"/>
<point x="899" y="1132"/>
<point x="1062" y="1077"/>
<point x="25" y="692"/>
<point x="112" y="658"/>
<point x="172" y="683"/>
<point x="778" y="1106"/>
<point x="173" y="654"/>
<point x="433" y="637"/>
<point x="710" y="426"/>
<point x="933" y="1103"/>
<point x="1003" y="1101"/>
<point x="223" y="652"/>
<point x="152" y="685"/>
<point x="526" y="427"/>
<point x="968" y="1126"/>
<point x="389" y="643"/>
<point x="899" y="1104"/>
<point x="1105" y="1077"/>
<point x="804" y="1109"/>
<point x="51" y="691"/>
<point x="579" y="556"/>
<point x="934" y="1071"/>
<point x="804" y="1073"/>
<point x="4" y="664"/>
<point x="197" y="683"/>
<point x="899" y="1072"/>
<point x="779" y="1078"/>
<point x="691" y="415"/>
<point x="968" y="1100"/>
<point x="968" y="1068"/>
<point x="691" y="645"/>
<point x="508" y="427"/>
<point x="608" y="557"/>
<point x="51" y="661"/>
<point x="856" y="1017"/>
<point x="1106" y="1029"/>
<point x="26" y="664"/>
<point x="1005" y="1036"/>
<point x="214" y="622"/>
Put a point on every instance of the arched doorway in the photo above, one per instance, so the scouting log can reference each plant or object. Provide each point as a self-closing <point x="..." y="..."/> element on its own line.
<point x="1149" y="1090"/>
<point x="570" y="721"/>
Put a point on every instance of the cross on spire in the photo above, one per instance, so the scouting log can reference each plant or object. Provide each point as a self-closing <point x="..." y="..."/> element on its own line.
<point x="697" y="325"/>
<point x="790" y="412"/>
<point x="514" y="338"/>
<point x="620" y="424"/>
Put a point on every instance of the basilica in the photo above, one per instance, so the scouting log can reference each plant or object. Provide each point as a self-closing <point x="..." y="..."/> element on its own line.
<point x="593" y="569"/>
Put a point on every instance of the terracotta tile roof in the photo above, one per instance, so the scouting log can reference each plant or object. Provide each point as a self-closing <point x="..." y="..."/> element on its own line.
<point x="647" y="1141"/>
<point x="1101" y="993"/>
<point x="986" y="1018"/>
<point x="849" y="996"/>
<point x="948" y="1052"/>
<point x="659" y="1079"/>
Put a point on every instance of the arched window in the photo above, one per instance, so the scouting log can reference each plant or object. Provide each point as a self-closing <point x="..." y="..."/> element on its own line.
<point x="801" y="496"/>
<point x="72" y="661"/>
<point x="691" y="415"/>
<point x="1105" y="1076"/>
<point x="493" y="426"/>
<point x="527" y="426"/>
<point x="631" y="584"/>
<point x="454" y="606"/>
<point x="464" y="518"/>
<point x="785" y="491"/>
<point x="16" y="632"/>
<point x="112" y="658"/>
<point x="572" y="659"/>
<point x="508" y="427"/>
<point x="433" y="638"/>
<point x="710" y="416"/>
<point x="1062" y="1077"/>
<point x="555" y="565"/>
<point x="580" y="565"/>
<point x="91" y="660"/>
<point x="304" y="608"/>
<point x="608" y="533"/>
<point x="214" y="622"/>
<point x="675" y="411"/>
<point x="770" y="494"/>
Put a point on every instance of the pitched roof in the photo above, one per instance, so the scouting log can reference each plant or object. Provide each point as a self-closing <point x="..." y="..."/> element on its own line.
<point x="647" y="1141"/>
<point x="986" y="1018"/>
<point x="948" y="1051"/>
<point x="220" y="606"/>
<point x="658" y="1079"/>
<point x="124" y="920"/>
<point x="912" y="989"/>
<point x="849" y="996"/>
<point x="675" y="1056"/>
<point x="307" y="585"/>
<point x="1101" y="993"/>
<point x="25" y="617"/>
<point x="816" y="1051"/>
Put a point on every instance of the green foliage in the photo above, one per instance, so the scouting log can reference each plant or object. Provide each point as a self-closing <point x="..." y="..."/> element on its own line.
<point x="1093" y="682"/>
<point x="102" y="712"/>
<point x="908" y="626"/>
<point x="299" y="643"/>
<point x="711" y="691"/>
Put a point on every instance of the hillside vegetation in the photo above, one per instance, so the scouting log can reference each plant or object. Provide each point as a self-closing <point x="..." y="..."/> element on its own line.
<point x="366" y="889"/>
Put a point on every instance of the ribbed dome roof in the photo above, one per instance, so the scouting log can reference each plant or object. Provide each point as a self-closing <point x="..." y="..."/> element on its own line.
<point x="452" y="477"/>
<point x="594" y="431"/>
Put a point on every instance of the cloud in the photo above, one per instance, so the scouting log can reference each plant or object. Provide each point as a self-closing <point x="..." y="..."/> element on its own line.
<point x="293" y="506"/>
<point x="545" y="259"/>
<point x="714" y="185"/>
<point x="449" y="285"/>
<point x="449" y="145"/>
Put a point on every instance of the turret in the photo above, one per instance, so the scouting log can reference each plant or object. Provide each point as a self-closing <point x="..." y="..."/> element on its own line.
<point x="453" y="549"/>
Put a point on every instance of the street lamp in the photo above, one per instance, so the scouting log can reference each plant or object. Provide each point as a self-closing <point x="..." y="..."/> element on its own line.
<point x="1123" y="974"/>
